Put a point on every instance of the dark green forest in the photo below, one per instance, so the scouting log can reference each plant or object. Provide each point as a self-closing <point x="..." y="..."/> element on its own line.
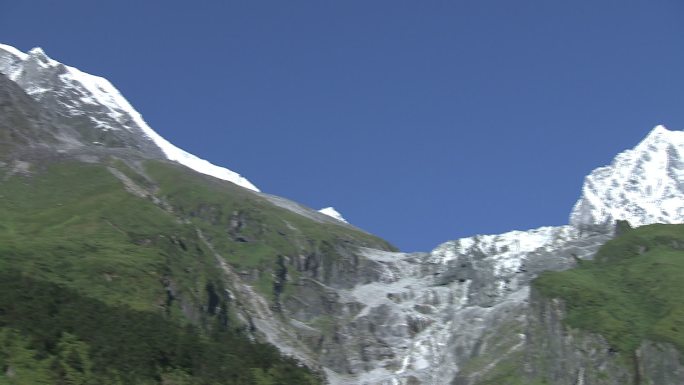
<point x="52" y="335"/>
<point x="100" y="286"/>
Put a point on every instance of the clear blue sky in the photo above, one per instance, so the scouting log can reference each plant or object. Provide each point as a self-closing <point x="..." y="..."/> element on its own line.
<point x="421" y="121"/>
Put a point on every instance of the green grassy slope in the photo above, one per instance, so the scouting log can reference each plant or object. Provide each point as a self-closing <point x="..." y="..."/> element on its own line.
<point x="89" y="272"/>
<point x="74" y="224"/>
<point x="211" y="201"/>
<point x="249" y="230"/>
<point x="632" y="291"/>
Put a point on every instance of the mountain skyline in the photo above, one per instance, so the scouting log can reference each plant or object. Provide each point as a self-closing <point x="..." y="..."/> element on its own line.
<point x="658" y="153"/>
<point x="96" y="202"/>
<point x="462" y="139"/>
<point x="651" y="170"/>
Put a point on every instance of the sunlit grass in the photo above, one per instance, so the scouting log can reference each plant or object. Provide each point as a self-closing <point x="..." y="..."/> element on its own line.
<point x="632" y="291"/>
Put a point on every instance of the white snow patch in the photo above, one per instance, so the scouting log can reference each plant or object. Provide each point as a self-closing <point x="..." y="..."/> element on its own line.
<point x="331" y="212"/>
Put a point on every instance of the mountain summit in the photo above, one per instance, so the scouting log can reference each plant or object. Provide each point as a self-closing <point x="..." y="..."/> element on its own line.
<point x="642" y="185"/>
<point x="85" y="101"/>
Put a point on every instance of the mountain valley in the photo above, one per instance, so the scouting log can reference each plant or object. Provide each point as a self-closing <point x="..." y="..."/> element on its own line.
<point x="127" y="260"/>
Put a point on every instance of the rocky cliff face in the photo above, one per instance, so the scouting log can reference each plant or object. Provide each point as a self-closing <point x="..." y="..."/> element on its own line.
<point x="427" y="318"/>
<point x="566" y="356"/>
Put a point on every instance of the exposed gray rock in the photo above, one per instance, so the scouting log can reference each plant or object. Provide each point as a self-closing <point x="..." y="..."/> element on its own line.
<point x="427" y="318"/>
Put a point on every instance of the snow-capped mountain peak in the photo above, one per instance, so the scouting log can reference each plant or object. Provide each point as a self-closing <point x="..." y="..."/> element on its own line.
<point x="331" y="212"/>
<point x="72" y="92"/>
<point x="38" y="54"/>
<point x="642" y="185"/>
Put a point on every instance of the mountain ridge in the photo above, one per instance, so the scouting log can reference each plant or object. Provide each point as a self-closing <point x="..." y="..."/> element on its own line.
<point x="19" y="66"/>
<point x="27" y="69"/>
<point x="310" y="284"/>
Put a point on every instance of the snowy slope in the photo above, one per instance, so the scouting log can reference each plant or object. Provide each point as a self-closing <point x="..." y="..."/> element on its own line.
<point x="505" y="249"/>
<point x="75" y="92"/>
<point x="643" y="185"/>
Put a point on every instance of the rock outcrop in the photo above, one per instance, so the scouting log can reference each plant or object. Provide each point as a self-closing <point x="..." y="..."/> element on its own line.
<point x="421" y="318"/>
<point x="565" y="356"/>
